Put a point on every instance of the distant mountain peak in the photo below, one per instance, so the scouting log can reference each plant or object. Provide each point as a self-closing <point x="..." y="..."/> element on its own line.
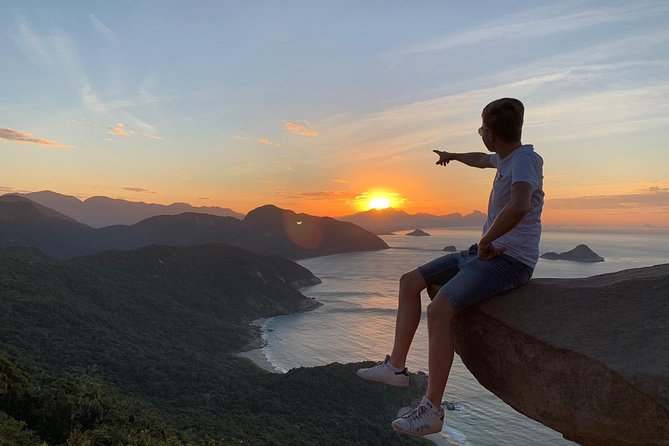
<point x="100" y="211"/>
<point x="390" y="219"/>
<point x="19" y="208"/>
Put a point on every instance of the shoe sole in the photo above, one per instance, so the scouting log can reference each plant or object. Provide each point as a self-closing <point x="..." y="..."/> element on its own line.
<point x="399" y="430"/>
<point x="403" y="384"/>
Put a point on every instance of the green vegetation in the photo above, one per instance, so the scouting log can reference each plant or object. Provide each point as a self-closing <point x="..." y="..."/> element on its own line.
<point x="138" y="348"/>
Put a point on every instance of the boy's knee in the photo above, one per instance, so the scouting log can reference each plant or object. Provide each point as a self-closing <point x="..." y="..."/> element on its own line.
<point x="440" y="309"/>
<point x="412" y="281"/>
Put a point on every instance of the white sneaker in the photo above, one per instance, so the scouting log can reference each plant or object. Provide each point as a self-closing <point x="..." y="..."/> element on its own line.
<point x="384" y="373"/>
<point x="423" y="420"/>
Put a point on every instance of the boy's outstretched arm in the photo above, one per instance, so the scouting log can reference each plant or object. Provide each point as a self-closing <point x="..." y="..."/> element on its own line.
<point x="474" y="159"/>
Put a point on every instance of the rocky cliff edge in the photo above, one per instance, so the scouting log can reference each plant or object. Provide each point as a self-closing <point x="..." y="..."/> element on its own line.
<point x="587" y="357"/>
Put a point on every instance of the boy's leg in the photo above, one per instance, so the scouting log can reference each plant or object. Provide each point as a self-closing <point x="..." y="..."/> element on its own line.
<point x="476" y="280"/>
<point x="440" y="315"/>
<point x="408" y="316"/>
<point x="393" y="370"/>
<point x="428" y="417"/>
<point x="439" y="270"/>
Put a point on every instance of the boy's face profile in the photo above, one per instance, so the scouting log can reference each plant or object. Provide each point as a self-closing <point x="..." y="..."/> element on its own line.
<point x="487" y="136"/>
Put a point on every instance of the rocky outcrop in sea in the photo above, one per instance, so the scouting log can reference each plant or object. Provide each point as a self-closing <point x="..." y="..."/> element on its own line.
<point x="418" y="233"/>
<point x="582" y="253"/>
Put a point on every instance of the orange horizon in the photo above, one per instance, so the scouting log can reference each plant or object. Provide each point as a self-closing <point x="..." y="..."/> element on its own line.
<point x="553" y="216"/>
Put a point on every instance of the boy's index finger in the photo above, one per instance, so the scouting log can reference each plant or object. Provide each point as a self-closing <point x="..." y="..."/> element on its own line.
<point x="441" y="161"/>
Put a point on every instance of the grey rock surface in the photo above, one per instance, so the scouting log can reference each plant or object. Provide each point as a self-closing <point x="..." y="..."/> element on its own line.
<point x="587" y="357"/>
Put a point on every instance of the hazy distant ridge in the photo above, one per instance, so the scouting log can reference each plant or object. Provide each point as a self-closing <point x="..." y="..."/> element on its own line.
<point x="388" y="220"/>
<point x="266" y="230"/>
<point x="100" y="211"/>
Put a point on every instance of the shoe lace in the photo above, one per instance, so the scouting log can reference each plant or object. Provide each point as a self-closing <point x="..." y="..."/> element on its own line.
<point x="416" y="415"/>
<point x="379" y="364"/>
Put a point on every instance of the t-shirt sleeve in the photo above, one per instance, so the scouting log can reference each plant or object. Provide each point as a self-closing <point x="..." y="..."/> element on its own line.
<point x="494" y="159"/>
<point x="527" y="168"/>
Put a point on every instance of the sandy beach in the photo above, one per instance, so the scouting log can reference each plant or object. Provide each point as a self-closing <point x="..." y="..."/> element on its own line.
<point x="259" y="359"/>
<point x="256" y="355"/>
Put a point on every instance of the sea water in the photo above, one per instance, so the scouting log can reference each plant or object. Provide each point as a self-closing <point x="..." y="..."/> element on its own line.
<point x="357" y="319"/>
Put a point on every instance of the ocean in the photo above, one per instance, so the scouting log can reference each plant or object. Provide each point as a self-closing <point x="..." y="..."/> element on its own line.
<point x="357" y="319"/>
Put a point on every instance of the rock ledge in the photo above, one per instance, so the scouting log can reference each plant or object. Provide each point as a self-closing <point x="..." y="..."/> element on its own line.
<point x="586" y="357"/>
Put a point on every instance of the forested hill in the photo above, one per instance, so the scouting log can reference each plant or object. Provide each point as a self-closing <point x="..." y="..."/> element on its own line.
<point x="138" y="347"/>
<point x="187" y="298"/>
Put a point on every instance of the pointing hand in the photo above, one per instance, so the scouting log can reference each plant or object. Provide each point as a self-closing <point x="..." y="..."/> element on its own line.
<point x="444" y="157"/>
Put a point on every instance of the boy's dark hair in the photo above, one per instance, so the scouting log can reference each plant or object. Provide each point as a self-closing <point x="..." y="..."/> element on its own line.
<point x="505" y="118"/>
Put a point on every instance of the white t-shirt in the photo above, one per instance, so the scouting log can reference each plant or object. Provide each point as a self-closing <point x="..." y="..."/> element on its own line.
<point x="523" y="164"/>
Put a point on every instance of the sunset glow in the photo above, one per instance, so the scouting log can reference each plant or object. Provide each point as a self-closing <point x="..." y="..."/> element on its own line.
<point x="379" y="203"/>
<point x="378" y="199"/>
<point x="94" y="104"/>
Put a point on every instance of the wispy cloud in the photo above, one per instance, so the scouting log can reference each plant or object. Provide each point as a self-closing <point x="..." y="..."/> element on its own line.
<point x="56" y="51"/>
<point x="138" y="190"/>
<point x="326" y="195"/>
<point x="27" y="138"/>
<point x="261" y="140"/>
<point x="268" y="141"/>
<point x="540" y="22"/>
<point x="586" y="109"/>
<point x="94" y="102"/>
<point x="11" y="190"/>
<point x="103" y="29"/>
<point x="300" y="128"/>
<point x="603" y="113"/>
<point x="119" y="129"/>
<point x="653" y="197"/>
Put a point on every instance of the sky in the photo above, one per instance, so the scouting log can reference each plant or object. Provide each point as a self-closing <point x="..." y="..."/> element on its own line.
<point x="326" y="107"/>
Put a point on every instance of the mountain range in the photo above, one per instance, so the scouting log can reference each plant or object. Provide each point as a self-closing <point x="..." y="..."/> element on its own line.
<point x="383" y="221"/>
<point x="99" y="211"/>
<point x="266" y="230"/>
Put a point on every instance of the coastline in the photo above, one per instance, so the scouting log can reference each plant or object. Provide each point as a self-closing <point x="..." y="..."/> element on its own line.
<point x="256" y="354"/>
<point x="258" y="357"/>
<point x="254" y="350"/>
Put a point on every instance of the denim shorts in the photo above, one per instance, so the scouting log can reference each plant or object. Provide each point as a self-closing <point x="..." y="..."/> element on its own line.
<point x="467" y="280"/>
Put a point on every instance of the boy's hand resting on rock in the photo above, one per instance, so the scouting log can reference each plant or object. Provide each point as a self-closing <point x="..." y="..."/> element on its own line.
<point x="487" y="251"/>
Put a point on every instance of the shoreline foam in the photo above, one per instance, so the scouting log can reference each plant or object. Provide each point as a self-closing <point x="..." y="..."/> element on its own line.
<point x="257" y="355"/>
<point x="258" y="358"/>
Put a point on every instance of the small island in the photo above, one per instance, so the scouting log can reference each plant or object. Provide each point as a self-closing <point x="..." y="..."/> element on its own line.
<point x="582" y="253"/>
<point x="418" y="233"/>
<point x="450" y="248"/>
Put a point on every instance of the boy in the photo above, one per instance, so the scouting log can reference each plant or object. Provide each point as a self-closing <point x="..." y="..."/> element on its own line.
<point x="504" y="259"/>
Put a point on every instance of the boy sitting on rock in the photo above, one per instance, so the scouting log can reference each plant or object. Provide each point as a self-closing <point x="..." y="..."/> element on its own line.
<point x="503" y="259"/>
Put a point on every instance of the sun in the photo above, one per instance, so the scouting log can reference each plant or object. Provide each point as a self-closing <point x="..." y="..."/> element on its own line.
<point x="379" y="203"/>
<point x="378" y="199"/>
